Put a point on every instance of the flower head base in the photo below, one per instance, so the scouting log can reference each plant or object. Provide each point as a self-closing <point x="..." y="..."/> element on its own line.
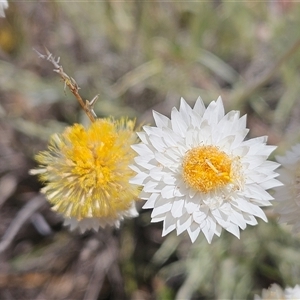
<point x="198" y="174"/>
<point x="87" y="173"/>
<point x="206" y="168"/>
<point x="288" y="196"/>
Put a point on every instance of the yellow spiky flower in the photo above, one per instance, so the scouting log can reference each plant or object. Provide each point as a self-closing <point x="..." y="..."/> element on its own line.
<point x="86" y="173"/>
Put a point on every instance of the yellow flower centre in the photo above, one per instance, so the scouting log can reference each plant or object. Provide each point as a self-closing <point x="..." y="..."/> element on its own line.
<point x="95" y="162"/>
<point x="206" y="168"/>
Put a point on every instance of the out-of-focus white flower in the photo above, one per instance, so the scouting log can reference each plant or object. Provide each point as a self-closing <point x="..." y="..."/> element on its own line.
<point x="198" y="174"/>
<point x="287" y="197"/>
<point x="3" y="6"/>
<point x="275" y="292"/>
<point x="292" y="293"/>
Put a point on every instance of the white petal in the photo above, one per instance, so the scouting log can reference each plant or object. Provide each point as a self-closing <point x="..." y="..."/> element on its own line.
<point x="199" y="106"/>
<point x="168" y="191"/>
<point x="164" y="160"/>
<point x="191" y="206"/>
<point x="250" y="219"/>
<point x="251" y="209"/>
<point x="169" y="224"/>
<point x="160" y="120"/>
<point x="142" y="149"/>
<point x="220" y="217"/>
<point x="257" y="192"/>
<point x="151" y="201"/>
<point x="138" y="179"/>
<point x="157" y="142"/>
<point x="233" y="229"/>
<point x="209" y="229"/>
<point x="214" y="112"/>
<point x="270" y="184"/>
<point x="156" y="173"/>
<point x="178" y="125"/>
<point x="158" y="219"/>
<point x="177" y="208"/>
<point x="237" y="219"/>
<point x="200" y="216"/>
<point x="161" y="207"/>
<point x="169" y="178"/>
<point x="194" y="231"/>
<point x="185" y="111"/>
<point x="183" y="223"/>
<point x="151" y="187"/>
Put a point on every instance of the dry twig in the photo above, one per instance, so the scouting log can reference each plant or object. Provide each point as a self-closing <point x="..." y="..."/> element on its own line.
<point x="87" y="106"/>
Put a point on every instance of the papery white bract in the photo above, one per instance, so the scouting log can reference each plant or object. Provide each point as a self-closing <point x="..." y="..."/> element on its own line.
<point x="3" y="6"/>
<point x="199" y="175"/>
<point x="288" y="196"/>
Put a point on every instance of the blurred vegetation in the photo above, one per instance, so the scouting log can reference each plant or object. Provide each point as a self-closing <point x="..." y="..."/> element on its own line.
<point x="140" y="56"/>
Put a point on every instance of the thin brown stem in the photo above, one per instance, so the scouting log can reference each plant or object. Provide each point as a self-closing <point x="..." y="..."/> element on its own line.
<point x="70" y="82"/>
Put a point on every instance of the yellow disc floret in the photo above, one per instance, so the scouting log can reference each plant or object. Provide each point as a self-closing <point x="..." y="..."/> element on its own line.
<point x="87" y="170"/>
<point x="206" y="168"/>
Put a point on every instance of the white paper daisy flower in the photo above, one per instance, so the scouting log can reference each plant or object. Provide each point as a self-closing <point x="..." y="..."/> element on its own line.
<point x="288" y="196"/>
<point x="198" y="174"/>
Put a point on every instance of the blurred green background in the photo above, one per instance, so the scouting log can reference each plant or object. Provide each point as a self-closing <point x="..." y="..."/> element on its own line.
<point x="140" y="56"/>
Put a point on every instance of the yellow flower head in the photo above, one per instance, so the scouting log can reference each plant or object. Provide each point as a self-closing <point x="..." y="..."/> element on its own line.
<point x="87" y="173"/>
